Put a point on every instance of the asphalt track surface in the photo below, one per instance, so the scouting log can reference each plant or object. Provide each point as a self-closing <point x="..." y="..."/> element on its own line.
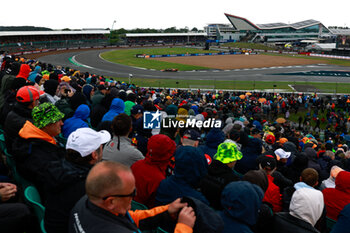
<point x="90" y="61"/>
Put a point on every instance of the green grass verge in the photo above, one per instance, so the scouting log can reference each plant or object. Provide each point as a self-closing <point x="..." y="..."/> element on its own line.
<point x="127" y="57"/>
<point x="234" y="85"/>
<point x="246" y="45"/>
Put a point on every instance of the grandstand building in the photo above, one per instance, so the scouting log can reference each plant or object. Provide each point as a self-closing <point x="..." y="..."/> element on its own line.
<point x="278" y="32"/>
<point x="165" y="38"/>
<point x="14" y="41"/>
<point x="221" y="32"/>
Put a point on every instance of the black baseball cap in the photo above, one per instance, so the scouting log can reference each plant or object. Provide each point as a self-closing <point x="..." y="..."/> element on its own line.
<point x="101" y="87"/>
<point x="192" y="134"/>
<point x="267" y="161"/>
<point x="136" y="109"/>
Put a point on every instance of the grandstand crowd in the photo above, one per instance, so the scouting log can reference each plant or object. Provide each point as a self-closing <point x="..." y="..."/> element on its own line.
<point x="78" y="139"/>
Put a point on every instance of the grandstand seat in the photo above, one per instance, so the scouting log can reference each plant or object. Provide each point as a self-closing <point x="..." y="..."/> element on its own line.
<point x="330" y="223"/>
<point x="16" y="176"/>
<point x="33" y="199"/>
<point x="2" y="142"/>
<point x="160" y="230"/>
<point x="62" y="139"/>
<point x="137" y="206"/>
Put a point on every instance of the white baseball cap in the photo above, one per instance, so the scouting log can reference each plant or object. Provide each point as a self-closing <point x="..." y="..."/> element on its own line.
<point x="280" y="153"/>
<point x="86" y="140"/>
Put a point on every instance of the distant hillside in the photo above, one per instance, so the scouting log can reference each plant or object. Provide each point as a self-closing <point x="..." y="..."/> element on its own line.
<point x="24" y="28"/>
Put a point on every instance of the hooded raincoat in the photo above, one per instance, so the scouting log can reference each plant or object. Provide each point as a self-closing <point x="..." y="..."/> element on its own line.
<point x="190" y="166"/>
<point x="241" y="201"/>
<point x="150" y="171"/>
<point x="77" y="121"/>
<point x="117" y="107"/>
<point x="337" y="198"/>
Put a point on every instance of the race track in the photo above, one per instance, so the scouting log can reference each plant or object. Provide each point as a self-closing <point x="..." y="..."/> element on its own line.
<point x="90" y="61"/>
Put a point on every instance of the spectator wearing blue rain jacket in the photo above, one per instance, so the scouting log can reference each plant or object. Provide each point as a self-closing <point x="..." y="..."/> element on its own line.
<point x="343" y="223"/>
<point x="77" y="121"/>
<point x="34" y="73"/>
<point x="190" y="167"/>
<point x="195" y="109"/>
<point x="117" y="107"/>
<point x="241" y="201"/>
<point x="213" y="139"/>
<point x="257" y="125"/>
<point x="251" y="151"/>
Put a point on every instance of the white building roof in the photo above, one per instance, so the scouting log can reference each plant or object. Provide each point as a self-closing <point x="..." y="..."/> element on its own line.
<point x="345" y="32"/>
<point x="165" y="34"/>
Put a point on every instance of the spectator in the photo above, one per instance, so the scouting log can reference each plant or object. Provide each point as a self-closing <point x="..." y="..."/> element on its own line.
<point x="330" y="182"/>
<point x="312" y="156"/>
<point x="65" y="178"/>
<point x="150" y="171"/>
<point x="343" y="223"/>
<point x="23" y="71"/>
<point x="273" y="196"/>
<point x="27" y="98"/>
<point x="220" y="173"/>
<point x="191" y="138"/>
<point x="337" y="198"/>
<point x="79" y="120"/>
<point x="130" y="102"/>
<point x="120" y="149"/>
<point x="212" y="141"/>
<point x="265" y="218"/>
<point x="241" y="202"/>
<point x="251" y="151"/>
<point x="308" y="178"/>
<point x="36" y="147"/>
<point x="88" y="91"/>
<point x="50" y="87"/>
<point x="14" y="217"/>
<point x="116" y="108"/>
<point x="98" y="95"/>
<point x="305" y="210"/>
<point x="190" y="166"/>
<point x="36" y="72"/>
<point x="110" y="187"/>
<point x="140" y="136"/>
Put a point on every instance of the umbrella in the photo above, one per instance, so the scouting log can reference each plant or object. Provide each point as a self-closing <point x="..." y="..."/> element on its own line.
<point x="281" y="120"/>
<point x="262" y="100"/>
<point x="248" y="93"/>
<point x="242" y="97"/>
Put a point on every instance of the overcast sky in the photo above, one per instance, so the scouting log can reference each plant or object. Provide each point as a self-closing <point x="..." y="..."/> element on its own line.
<point x="129" y="14"/>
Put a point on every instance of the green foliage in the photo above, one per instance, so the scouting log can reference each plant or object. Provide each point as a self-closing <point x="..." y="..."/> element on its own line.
<point x="24" y="28"/>
<point x="171" y="30"/>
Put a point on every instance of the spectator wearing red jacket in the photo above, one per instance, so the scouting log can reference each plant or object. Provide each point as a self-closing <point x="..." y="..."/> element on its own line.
<point x="337" y="198"/>
<point x="272" y="196"/>
<point x="150" y="171"/>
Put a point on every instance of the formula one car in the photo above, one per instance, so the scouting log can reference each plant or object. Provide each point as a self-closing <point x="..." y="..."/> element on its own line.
<point x="169" y="70"/>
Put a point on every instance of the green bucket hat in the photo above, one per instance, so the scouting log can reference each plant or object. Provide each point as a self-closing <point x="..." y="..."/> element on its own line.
<point x="46" y="114"/>
<point x="227" y="153"/>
